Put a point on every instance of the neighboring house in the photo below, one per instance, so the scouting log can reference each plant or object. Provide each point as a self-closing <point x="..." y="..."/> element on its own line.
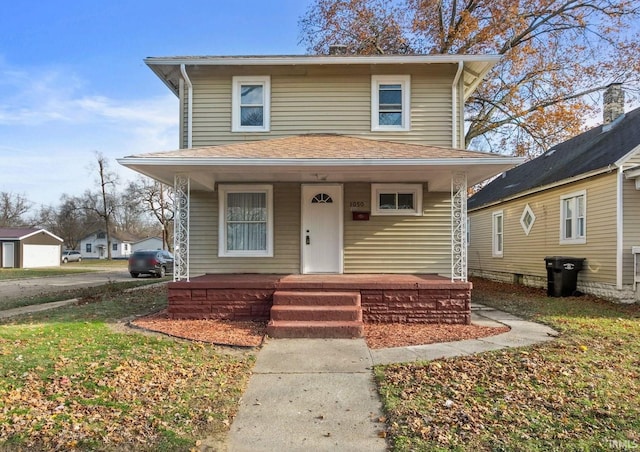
<point x="29" y="248"/>
<point x="149" y="243"/>
<point x="321" y="165"/>
<point x="94" y="245"/>
<point x="579" y="199"/>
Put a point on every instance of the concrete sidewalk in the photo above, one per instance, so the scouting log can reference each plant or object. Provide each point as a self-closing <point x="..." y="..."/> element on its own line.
<point x="319" y="394"/>
<point x="310" y="394"/>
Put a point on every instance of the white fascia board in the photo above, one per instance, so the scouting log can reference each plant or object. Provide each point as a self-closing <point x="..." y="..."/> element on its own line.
<point x="632" y="173"/>
<point x="622" y="160"/>
<point x="318" y="60"/>
<point x="38" y="232"/>
<point x="543" y="188"/>
<point x="185" y="161"/>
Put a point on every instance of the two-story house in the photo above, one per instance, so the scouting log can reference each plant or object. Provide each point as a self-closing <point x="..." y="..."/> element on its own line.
<point x="319" y="174"/>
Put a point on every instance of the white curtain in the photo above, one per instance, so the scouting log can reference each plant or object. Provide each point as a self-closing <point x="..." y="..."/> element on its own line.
<point x="246" y="221"/>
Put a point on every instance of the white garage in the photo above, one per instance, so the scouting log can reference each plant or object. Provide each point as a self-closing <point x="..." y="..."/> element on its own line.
<point x="34" y="256"/>
<point x="29" y="248"/>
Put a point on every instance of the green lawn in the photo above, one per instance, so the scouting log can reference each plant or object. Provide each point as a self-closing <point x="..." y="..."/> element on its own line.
<point x="70" y="380"/>
<point x="87" y="265"/>
<point x="579" y="392"/>
<point x="24" y="273"/>
<point x="49" y="297"/>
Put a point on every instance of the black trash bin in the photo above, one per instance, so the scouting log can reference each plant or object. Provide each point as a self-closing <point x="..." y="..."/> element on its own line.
<point x="562" y="275"/>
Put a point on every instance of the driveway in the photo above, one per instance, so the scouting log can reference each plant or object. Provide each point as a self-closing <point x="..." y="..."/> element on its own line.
<point x="19" y="288"/>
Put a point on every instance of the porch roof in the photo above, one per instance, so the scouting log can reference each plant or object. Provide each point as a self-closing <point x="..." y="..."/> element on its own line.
<point x="320" y="158"/>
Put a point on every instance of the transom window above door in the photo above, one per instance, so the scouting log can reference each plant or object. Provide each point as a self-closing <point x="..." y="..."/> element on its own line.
<point x="251" y="97"/>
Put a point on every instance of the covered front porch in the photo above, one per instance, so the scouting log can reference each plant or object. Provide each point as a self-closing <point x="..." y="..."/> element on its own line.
<point x="322" y="305"/>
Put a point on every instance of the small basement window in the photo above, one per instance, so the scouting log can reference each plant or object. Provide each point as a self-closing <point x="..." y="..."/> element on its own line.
<point x="396" y="199"/>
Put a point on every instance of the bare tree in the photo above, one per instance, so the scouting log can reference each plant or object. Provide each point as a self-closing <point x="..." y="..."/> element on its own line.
<point x="13" y="208"/>
<point x="104" y="201"/>
<point x="157" y="199"/>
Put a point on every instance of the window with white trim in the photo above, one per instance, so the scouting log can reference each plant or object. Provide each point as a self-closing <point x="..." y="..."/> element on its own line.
<point x="396" y="199"/>
<point x="245" y="221"/>
<point x="250" y="109"/>
<point x="573" y="218"/>
<point x="527" y="219"/>
<point x="497" y="234"/>
<point x="390" y="102"/>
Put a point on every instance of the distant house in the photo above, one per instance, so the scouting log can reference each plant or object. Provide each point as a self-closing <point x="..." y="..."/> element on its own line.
<point x="29" y="248"/>
<point x="94" y="245"/>
<point x="581" y="199"/>
<point x="148" y="243"/>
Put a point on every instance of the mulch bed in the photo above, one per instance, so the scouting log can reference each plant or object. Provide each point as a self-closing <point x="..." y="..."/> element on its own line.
<point x="251" y="334"/>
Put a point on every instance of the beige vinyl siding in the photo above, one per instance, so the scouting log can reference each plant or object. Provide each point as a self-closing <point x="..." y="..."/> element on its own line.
<point x="398" y="244"/>
<point x="525" y="254"/>
<point x="631" y="227"/>
<point x="204" y="236"/>
<point x="316" y="100"/>
<point x="633" y="160"/>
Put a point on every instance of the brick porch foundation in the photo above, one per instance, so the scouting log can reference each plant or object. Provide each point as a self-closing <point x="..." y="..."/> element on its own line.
<point x="384" y="298"/>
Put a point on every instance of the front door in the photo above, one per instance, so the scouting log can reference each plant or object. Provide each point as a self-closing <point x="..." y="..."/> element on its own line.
<point x="8" y="255"/>
<point x="322" y="228"/>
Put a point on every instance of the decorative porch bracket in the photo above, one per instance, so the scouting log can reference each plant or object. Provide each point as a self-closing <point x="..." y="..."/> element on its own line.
<point x="182" y="186"/>
<point x="459" y="227"/>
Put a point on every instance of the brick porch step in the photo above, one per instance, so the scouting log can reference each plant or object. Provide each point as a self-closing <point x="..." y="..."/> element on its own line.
<point x="298" y="329"/>
<point x="316" y="313"/>
<point x="302" y="298"/>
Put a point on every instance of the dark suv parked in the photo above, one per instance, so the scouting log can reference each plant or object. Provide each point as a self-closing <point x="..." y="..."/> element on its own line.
<point x="150" y="262"/>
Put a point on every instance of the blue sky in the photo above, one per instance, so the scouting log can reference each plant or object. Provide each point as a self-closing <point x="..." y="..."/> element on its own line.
<point x="72" y="79"/>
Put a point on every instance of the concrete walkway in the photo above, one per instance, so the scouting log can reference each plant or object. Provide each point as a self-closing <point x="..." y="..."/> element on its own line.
<point x="319" y="394"/>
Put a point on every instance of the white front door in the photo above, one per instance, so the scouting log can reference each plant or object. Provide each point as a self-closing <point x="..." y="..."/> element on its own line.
<point x="322" y="228"/>
<point x="8" y="255"/>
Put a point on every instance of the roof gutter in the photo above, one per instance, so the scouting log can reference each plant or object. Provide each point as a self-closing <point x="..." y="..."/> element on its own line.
<point x="454" y="105"/>
<point x="186" y="161"/>
<point x="319" y="59"/>
<point x="183" y="71"/>
<point x="541" y="188"/>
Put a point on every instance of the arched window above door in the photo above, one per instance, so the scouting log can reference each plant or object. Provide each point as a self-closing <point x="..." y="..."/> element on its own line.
<point x="321" y="198"/>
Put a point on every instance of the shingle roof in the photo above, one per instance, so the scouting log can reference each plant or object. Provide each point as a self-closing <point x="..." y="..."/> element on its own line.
<point x="321" y="146"/>
<point x="595" y="149"/>
<point x="16" y="233"/>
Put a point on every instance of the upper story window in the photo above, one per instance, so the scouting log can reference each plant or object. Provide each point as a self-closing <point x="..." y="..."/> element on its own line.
<point x="396" y="199"/>
<point x="573" y="218"/>
<point x="251" y="97"/>
<point x="390" y="105"/>
<point x="497" y="229"/>
<point x="101" y="235"/>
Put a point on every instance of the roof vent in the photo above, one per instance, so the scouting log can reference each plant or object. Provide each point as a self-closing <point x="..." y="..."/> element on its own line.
<point x="337" y="49"/>
<point x="550" y="152"/>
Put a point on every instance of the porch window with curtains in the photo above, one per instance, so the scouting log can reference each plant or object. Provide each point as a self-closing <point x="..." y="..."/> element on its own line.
<point x="246" y="221"/>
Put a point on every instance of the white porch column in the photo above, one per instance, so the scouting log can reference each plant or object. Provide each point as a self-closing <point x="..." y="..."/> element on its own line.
<point x="182" y="185"/>
<point x="459" y="227"/>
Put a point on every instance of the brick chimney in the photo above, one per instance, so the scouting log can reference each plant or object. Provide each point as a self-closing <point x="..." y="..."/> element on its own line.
<point x="613" y="100"/>
<point x="337" y="49"/>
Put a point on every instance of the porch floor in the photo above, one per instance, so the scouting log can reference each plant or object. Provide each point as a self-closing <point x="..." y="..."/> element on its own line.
<point x="320" y="281"/>
<point x="420" y="298"/>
